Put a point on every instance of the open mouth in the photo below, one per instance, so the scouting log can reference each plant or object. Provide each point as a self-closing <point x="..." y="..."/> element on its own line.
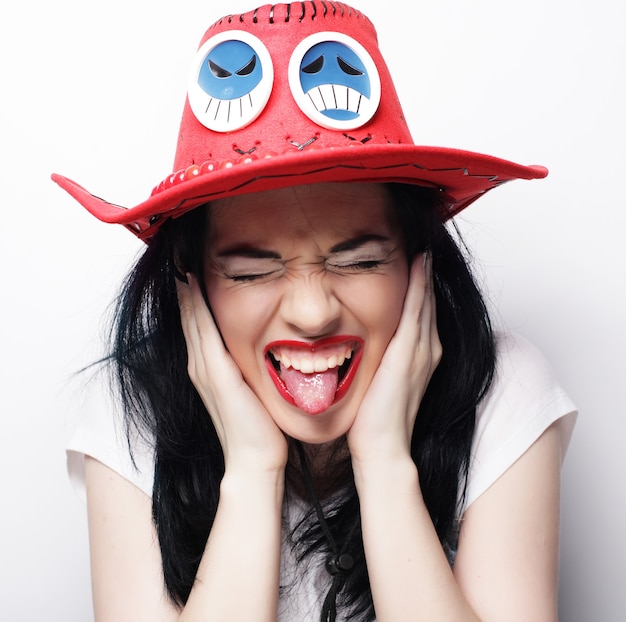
<point x="314" y="376"/>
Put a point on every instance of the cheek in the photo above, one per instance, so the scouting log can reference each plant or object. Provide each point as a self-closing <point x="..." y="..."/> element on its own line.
<point x="229" y="316"/>
<point x="380" y="307"/>
<point x="384" y="320"/>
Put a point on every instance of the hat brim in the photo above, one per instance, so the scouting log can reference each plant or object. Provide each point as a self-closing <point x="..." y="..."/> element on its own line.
<point x="459" y="176"/>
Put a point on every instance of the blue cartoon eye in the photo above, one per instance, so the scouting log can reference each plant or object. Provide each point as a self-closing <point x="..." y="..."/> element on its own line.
<point x="334" y="81"/>
<point x="230" y="71"/>
<point x="333" y="67"/>
<point x="232" y="81"/>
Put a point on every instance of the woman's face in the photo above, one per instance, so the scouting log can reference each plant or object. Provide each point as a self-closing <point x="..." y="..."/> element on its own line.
<point x="307" y="286"/>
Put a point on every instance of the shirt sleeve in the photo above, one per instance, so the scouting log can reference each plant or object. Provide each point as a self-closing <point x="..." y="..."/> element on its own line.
<point x="97" y="430"/>
<point x="524" y="401"/>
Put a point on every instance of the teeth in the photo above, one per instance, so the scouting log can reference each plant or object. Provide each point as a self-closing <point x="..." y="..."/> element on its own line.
<point x="306" y="367"/>
<point x="310" y="362"/>
<point x="322" y="364"/>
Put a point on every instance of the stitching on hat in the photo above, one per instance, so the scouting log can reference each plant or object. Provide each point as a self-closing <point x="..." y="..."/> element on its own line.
<point x="323" y="6"/>
<point x="359" y="140"/>
<point x="304" y="145"/>
<point x="242" y="152"/>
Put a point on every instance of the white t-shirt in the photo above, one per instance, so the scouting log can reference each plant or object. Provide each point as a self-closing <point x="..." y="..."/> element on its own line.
<point x="524" y="400"/>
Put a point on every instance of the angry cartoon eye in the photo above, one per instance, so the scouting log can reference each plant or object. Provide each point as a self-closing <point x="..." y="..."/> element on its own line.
<point x="334" y="81"/>
<point x="230" y="53"/>
<point x="231" y="81"/>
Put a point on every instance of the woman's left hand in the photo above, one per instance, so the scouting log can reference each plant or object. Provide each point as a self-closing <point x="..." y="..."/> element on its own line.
<point x="384" y="423"/>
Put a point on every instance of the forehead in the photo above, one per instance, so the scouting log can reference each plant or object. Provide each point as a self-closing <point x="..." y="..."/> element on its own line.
<point x="331" y="210"/>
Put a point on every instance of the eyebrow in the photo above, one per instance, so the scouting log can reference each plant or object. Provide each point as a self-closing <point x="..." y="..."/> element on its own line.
<point x="248" y="251"/>
<point x="357" y="242"/>
<point x="253" y="252"/>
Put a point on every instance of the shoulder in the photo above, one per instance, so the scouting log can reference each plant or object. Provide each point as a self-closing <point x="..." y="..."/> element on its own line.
<point x="525" y="385"/>
<point x="524" y="400"/>
<point x="520" y="365"/>
<point x="97" y="430"/>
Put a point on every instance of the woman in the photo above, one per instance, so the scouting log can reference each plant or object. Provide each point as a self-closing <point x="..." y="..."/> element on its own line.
<point x="321" y="423"/>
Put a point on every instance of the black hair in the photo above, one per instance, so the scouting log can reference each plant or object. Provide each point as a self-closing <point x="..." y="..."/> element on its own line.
<point x="159" y="401"/>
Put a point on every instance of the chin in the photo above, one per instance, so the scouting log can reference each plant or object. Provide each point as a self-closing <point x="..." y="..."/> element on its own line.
<point x="325" y="427"/>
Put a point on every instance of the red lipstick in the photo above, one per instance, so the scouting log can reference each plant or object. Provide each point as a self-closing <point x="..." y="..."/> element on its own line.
<point x="331" y="347"/>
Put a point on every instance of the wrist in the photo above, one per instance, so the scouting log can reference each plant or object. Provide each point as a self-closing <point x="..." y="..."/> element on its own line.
<point x="385" y="477"/>
<point x="252" y="486"/>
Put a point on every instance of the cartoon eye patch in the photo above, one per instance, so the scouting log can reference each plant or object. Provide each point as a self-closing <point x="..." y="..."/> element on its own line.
<point x="334" y="81"/>
<point x="332" y="77"/>
<point x="231" y="81"/>
<point x="230" y="71"/>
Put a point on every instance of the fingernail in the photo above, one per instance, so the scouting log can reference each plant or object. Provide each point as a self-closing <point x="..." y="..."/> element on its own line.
<point x="180" y="277"/>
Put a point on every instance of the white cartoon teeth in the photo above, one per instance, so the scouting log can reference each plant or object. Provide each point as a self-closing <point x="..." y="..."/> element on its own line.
<point x="335" y="97"/>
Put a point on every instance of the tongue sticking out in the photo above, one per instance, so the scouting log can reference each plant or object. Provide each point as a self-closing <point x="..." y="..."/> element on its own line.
<point x="313" y="393"/>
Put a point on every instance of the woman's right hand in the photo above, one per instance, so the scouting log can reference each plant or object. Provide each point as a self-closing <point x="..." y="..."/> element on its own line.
<point x="250" y="439"/>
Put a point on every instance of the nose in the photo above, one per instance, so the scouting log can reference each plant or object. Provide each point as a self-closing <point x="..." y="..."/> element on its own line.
<point x="309" y="305"/>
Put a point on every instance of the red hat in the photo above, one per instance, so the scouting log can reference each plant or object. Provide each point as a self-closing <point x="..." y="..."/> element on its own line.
<point x="290" y="94"/>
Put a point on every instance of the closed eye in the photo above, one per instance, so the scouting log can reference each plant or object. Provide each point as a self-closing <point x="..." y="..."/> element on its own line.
<point x="243" y="269"/>
<point x="360" y="254"/>
<point x="249" y="278"/>
<point x="355" y="266"/>
<point x="246" y="264"/>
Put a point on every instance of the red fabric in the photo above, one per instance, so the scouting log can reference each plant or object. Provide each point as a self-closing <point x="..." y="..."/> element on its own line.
<point x="381" y="150"/>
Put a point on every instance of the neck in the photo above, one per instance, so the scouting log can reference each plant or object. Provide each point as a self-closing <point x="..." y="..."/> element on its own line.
<point x="328" y="464"/>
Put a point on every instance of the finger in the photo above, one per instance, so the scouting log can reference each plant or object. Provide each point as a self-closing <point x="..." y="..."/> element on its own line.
<point x="426" y="315"/>
<point x="417" y="283"/>
<point x="431" y="301"/>
<point x="187" y="315"/>
<point x="200" y="356"/>
<point x="206" y="328"/>
<point x="185" y="304"/>
<point x="414" y="298"/>
<point x="418" y="323"/>
<point x="207" y="338"/>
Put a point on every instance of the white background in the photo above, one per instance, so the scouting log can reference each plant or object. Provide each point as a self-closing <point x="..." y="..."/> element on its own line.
<point x="95" y="90"/>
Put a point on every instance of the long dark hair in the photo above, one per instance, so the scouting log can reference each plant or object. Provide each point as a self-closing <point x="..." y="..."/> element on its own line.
<point x="159" y="400"/>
